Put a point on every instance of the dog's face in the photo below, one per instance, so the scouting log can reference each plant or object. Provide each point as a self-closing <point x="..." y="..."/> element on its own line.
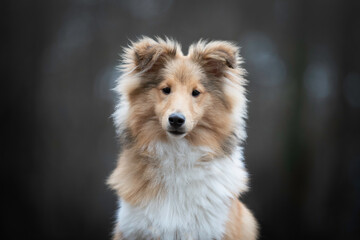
<point x="181" y="98"/>
<point x="172" y="95"/>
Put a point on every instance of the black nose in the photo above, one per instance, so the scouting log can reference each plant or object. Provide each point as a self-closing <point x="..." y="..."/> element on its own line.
<point x="176" y="120"/>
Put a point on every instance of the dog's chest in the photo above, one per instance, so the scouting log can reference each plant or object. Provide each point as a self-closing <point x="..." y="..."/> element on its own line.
<point x="195" y="199"/>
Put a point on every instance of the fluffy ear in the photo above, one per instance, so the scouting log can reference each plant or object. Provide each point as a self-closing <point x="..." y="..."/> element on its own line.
<point x="215" y="57"/>
<point x="149" y="55"/>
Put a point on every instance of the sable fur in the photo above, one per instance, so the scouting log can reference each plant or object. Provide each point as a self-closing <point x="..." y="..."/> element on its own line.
<point x="181" y="187"/>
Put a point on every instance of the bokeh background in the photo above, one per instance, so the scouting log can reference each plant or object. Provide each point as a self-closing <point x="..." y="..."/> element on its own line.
<point x="59" y="144"/>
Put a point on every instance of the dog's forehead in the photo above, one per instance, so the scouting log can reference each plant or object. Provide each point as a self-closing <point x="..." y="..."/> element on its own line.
<point x="183" y="70"/>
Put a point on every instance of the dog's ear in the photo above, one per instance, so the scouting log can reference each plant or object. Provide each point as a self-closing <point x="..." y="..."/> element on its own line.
<point x="149" y="55"/>
<point x="215" y="57"/>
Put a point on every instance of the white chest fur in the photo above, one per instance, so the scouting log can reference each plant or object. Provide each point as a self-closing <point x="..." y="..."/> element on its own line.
<point x="196" y="200"/>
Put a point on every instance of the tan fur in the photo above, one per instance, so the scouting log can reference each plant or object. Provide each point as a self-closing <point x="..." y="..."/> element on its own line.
<point x="117" y="236"/>
<point x="153" y="65"/>
<point x="241" y="224"/>
<point x="135" y="178"/>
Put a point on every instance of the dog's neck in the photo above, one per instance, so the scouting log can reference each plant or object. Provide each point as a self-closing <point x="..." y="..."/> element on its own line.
<point x="178" y="152"/>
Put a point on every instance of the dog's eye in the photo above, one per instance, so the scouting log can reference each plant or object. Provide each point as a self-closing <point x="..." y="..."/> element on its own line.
<point x="166" y="90"/>
<point x="195" y="93"/>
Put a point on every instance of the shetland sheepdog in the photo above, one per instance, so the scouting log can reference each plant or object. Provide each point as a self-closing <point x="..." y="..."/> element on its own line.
<point x="181" y="122"/>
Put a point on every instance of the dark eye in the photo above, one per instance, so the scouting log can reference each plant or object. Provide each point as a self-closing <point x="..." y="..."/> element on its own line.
<point x="166" y="90"/>
<point x="195" y="93"/>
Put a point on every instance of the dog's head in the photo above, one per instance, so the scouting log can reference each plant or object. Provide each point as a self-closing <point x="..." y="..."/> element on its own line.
<point x="175" y="96"/>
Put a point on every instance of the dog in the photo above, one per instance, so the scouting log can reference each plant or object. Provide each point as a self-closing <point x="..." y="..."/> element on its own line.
<point x="181" y="120"/>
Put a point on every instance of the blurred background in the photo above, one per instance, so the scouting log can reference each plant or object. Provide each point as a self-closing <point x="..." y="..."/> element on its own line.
<point x="59" y="144"/>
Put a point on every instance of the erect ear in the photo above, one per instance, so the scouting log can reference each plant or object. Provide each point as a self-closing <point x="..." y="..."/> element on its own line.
<point x="215" y="57"/>
<point x="149" y="55"/>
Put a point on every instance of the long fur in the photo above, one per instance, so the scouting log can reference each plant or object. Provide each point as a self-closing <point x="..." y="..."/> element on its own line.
<point x="187" y="186"/>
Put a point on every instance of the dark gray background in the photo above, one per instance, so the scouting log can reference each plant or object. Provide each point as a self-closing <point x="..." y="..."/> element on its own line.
<point x="59" y="144"/>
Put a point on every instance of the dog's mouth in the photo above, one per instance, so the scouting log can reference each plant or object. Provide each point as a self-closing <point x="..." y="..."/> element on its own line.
<point x="176" y="132"/>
